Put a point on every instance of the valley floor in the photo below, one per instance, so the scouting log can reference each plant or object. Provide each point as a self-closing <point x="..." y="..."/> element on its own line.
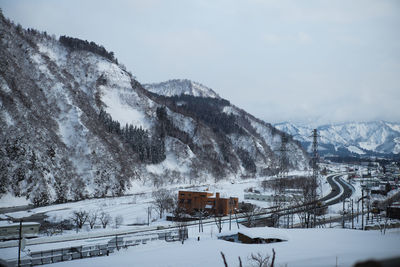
<point x="305" y="247"/>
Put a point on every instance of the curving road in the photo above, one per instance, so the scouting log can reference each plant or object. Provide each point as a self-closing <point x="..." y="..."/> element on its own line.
<point x="340" y="190"/>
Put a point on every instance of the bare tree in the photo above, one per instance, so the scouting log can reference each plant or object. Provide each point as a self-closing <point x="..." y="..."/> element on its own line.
<point x="309" y="188"/>
<point x="261" y="260"/>
<point x="163" y="201"/>
<point x="180" y="220"/>
<point x="308" y="200"/>
<point x="118" y="220"/>
<point x="224" y="259"/>
<point x="250" y="211"/>
<point x="105" y="219"/>
<point x="218" y="222"/>
<point x="278" y="187"/>
<point x="92" y="218"/>
<point x="79" y="218"/>
<point x="258" y="260"/>
<point x="265" y="184"/>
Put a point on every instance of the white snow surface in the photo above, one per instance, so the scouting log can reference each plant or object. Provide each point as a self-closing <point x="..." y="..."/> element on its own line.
<point x="179" y="87"/>
<point x="55" y="52"/>
<point x="122" y="112"/>
<point x="230" y="110"/>
<point x="172" y="162"/>
<point x="265" y="232"/>
<point x="9" y="200"/>
<point x="306" y="247"/>
<point x="355" y="149"/>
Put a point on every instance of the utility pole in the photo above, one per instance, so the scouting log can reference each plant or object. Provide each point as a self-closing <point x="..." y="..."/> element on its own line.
<point x="201" y="221"/>
<point x="352" y="214"/>
<point x="358" y="209"/>
<point x="362" y="209"/>
<point x="19" y="243"/>
<point x="343" y="214"/>
<point x="288" y="216"/>
<point x="148" y="216"/>
<point x="237" y="221"/>
<point x="368" y="204"/>
<point x="230" y="213"/>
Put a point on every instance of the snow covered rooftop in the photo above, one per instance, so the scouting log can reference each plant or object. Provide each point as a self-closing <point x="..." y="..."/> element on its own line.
<point x="259" y="232"/>
<point x="264" y="233"/>
<point x="8" y="223"/>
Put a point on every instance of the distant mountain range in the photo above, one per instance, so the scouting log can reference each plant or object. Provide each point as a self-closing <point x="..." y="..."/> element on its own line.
<point x="376" y="138"/>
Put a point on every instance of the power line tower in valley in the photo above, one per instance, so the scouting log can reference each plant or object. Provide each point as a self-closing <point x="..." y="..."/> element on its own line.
<point x="283" y="158"/>
<point x="314" y="158"/>
<point x="314" y="165"/>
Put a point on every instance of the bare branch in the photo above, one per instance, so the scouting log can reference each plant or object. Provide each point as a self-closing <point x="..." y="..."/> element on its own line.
<point x="223" y="257"/>
<point x="104" y="218"/>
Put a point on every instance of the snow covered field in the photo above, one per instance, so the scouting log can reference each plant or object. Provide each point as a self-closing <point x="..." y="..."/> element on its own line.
<point x="134" y="207"/>
<point x="305" y="247"/>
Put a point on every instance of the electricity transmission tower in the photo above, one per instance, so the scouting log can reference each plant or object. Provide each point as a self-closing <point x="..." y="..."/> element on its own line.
<point x="314" y="165"/>
<point x="283" y="159"/>
<point x="314" y="158"/>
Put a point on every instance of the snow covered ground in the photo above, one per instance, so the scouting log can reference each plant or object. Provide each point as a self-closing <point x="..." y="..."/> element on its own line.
<point x="134" y="207"/>
<point x="305" y="247"/>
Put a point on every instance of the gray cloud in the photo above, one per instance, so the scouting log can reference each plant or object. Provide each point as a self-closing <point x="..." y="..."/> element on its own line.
<point x="326" y="61"/>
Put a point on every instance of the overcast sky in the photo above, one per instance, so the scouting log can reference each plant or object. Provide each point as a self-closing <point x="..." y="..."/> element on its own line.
<point x="308" y="61"/>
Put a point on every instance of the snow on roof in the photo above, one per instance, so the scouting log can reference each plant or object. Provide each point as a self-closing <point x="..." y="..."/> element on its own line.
<point x="265" y="233"/>
<point x="8" y="223"/>
<point x="259" y="232"/>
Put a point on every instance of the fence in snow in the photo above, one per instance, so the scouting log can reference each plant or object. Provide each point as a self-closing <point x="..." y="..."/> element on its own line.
<point x="81" y="252"/>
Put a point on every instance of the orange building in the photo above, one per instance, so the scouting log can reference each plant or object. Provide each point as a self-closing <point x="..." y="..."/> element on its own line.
<point x="194" y="201"/>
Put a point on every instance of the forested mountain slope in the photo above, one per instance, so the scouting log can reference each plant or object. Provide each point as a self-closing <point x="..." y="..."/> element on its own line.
<point x="76" y="124"/>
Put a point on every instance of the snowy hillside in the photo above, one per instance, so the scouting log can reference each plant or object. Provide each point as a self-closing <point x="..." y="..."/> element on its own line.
<point x="179" y="87"/>
<point x="75" y="124"/>
<point x="362" y="138"/>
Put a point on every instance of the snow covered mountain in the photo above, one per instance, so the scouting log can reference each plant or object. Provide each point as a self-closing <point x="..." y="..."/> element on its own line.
<point x="353" y="138"/>
<point x="178" y="87"/>
<point x="76" y="124"/>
